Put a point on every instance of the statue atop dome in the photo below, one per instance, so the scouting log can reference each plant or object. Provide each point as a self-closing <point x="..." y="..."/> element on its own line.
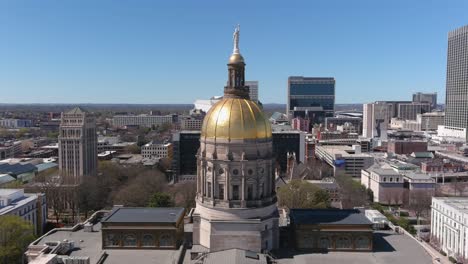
<point x="235" y="38"/>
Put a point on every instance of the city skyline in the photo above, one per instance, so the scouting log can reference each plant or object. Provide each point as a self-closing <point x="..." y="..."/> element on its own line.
<point x="172" y="53"/>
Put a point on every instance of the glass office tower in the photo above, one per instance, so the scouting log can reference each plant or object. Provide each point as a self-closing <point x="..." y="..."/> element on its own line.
<point x="312" y="97"/>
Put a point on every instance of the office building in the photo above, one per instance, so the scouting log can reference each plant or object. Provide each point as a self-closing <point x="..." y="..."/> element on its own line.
<point x="345" y="160"/>
<point x="426" y="98"/>
<point x="15" y="123"/>
<point x="142" y="120"/>
<point x="430" y="121"/>
<point x="10" y="149"/>
<point x="32" y="207"/>
<point x="375" y="120"/>
<point x="411" y="110"/>
<point x="292" y="142"/>
<point x="186" y="145"/>
<point x="456" y="99"/>
<point x="253" y="90"/>
<point x="235" y="168"/>
<point x="449" y="217"/>
<point x="77" y="146"/>
<point x="331" y="123"/>
<point x="157" y="150"/>
<point x="406" y="146"/>
<point x="313" y="97"/>
<point x="299" y="123"/>
<point x="191" y="123"/>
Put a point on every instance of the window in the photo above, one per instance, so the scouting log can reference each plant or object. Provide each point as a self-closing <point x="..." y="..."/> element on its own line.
<point x="261" y="190"/>
<point x="165" y="240"/>
<point x="235" y="171"/>
<point x="343" y="242"/>
<point x="249" y="192"/>
<point x="112" y="240"/>
<point x="221" y="191"/>
<point x="384" y="179"/>
<point x="209" y="189"/>
<point x="147" y="240"/>
<point x="324" y="242"/>
<point x="129" y="241"/>
<point x="391" y="179"/>
<point x="362" y="243"/>
<point x="235" y="192"/>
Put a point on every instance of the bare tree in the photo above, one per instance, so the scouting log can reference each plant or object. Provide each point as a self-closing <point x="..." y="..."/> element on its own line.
<point x="420" y="202"/>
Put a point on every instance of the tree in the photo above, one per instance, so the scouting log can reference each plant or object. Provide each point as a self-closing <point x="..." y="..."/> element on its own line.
<point x="419" y="202"/>
<point x="302" y="194"/>
<point x="184" y="194"/>
<point x="50" y="183"/>
<point x="16" y="234"/>
<point x="352" y="193"/>
<point x="160" y="199"/>
<point x="133" y="149"/>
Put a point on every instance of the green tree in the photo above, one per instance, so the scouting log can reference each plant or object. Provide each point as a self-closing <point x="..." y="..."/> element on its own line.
<point x="160" y="199"/>
<point x="302" y="194"/>
<point x="16" y="234"/>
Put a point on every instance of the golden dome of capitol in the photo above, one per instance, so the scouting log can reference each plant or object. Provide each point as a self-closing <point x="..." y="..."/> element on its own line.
<point x="235" y="118"/>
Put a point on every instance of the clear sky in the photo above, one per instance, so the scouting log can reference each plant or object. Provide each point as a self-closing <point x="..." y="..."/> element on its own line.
<point x="101" y="51"/>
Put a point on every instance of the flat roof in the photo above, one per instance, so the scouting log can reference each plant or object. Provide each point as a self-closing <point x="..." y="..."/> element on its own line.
<point x="342" y="150"/>
<point x="384" y="171"/>
<point x="144" y="215"/>
<point x="458" y="203"/>
<point x="328" y="216"/>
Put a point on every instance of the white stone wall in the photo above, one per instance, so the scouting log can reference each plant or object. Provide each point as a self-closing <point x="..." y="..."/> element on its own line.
<point x="449" y="224"/>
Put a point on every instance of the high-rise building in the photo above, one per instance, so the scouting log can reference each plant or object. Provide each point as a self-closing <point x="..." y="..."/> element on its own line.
<point x="253" y="90"/>
<point x="236" y="199"/>
<point x="375" y="120"/>
<point x="410" y="111"/>
<point x="456" y="99"/>
<point x="313" y="97"/>
<point x="77" y="146"/>
<point x="426" y="98"/>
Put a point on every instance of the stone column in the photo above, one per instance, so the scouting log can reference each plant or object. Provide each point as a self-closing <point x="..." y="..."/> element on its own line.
<point x="243" y="203"/>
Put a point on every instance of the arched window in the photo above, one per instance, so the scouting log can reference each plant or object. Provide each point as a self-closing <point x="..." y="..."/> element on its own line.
<point x="112" y="240"/>
<point x="165" y="240"/>
<point x="130" y="240"/>
<point x="343" y="242"/>
<point x="324" y="242"/>
<point x="147" y="240"/>
<point x="362" y="243"/>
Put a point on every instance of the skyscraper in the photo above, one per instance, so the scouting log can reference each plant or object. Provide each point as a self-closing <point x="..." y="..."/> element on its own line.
<point x="236" y="199"/>
<point x="77" y="146"/>
<point x="456" y="99"/>
<point x="426" y="98"/>
<point x="375" y="120"/>
<point x="253" y="90"/>
<point x="312" y="97"/>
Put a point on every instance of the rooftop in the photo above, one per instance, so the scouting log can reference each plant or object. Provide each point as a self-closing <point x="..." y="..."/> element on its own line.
<point x="344" y="151"/>
<point x="144" y="215"/>
<point x="328" y="216"/>
<point x="418" y="176"/>
<point x="458" y="203"/>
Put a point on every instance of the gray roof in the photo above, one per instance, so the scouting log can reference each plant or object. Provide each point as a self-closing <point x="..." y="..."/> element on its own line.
<point x="76" y="110"/>
<point x="17" y="168"/>
<point x="144" y="215"/>
<point x="328" y="216"/>
<point x="380" y="171"/>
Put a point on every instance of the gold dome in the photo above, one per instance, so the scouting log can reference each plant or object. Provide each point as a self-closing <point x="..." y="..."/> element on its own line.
<point x="236" y="58"/>
<point x="235" y="118"/>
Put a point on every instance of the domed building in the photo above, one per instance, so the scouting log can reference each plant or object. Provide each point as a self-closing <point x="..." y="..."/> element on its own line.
<point x="236" y="199"/>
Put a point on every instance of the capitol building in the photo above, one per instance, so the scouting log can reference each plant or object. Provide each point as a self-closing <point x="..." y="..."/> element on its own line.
<point x="236" y="199"/>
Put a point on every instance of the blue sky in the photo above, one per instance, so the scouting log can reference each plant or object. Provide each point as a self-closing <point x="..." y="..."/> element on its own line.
<point x="176" y="51"/>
